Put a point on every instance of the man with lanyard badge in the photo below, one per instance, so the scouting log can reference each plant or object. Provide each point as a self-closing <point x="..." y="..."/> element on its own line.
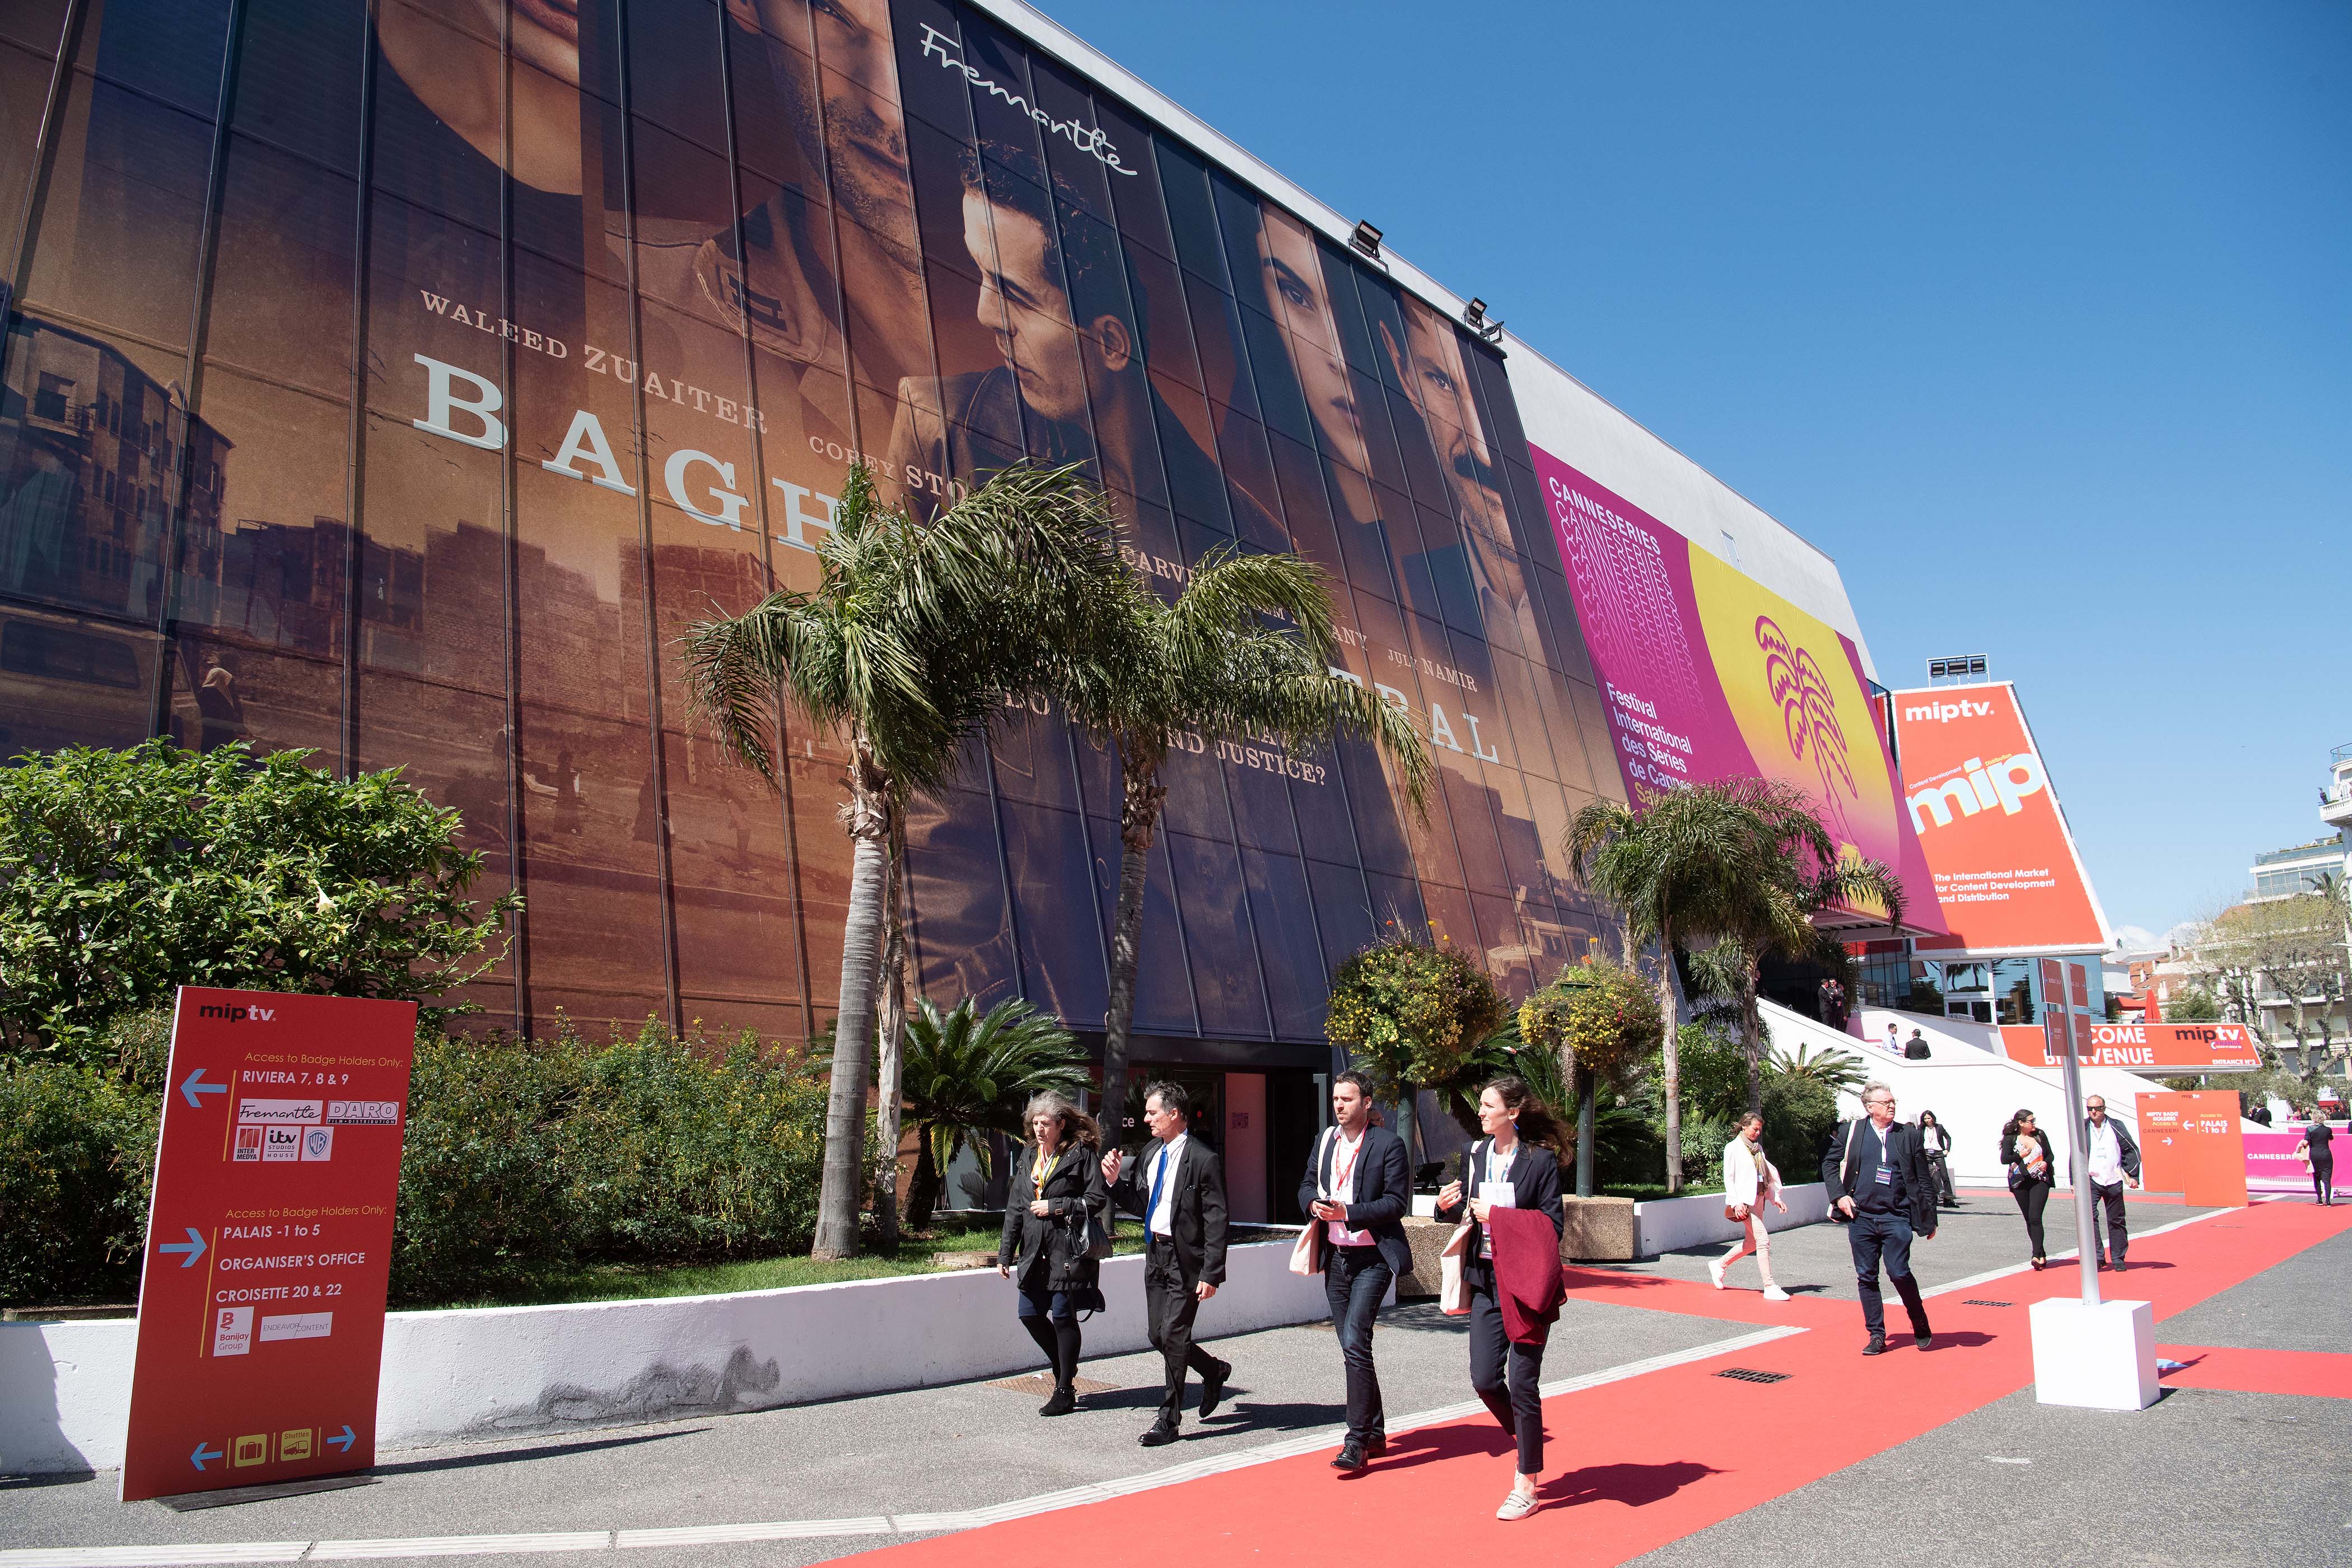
<point x="1358" y="1187"/>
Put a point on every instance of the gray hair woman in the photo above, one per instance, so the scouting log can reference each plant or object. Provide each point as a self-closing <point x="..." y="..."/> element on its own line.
<point x="1043" y="1249"/>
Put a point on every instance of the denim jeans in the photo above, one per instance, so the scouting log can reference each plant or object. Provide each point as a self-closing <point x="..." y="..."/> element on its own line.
<point x="1355" y="1282"/>
<point x="1873" y="1235"/>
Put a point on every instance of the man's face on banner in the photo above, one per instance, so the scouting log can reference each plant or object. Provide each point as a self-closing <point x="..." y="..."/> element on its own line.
<point x="1022" y="300"/>
<point x="1294" y="290"/>
<point x="866" y="131"/>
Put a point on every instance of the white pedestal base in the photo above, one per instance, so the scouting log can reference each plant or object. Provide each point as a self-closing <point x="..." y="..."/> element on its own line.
<point x="2099" y="1358"/>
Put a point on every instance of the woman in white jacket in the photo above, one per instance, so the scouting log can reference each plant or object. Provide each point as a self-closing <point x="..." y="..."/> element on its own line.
<point x="1749" y="1182"/>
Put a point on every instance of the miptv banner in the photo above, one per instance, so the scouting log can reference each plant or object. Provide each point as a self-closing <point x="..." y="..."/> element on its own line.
<point x="1980" y="802"/>
<point x="2140" y="1047"/>
<point x="1706" y="674"/>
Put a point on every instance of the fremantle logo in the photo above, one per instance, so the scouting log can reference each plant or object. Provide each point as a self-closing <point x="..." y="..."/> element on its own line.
<point x="1090" y="140"/>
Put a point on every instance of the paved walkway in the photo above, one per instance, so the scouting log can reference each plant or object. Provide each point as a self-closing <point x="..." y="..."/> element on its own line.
<point x="1651" y="1451"/>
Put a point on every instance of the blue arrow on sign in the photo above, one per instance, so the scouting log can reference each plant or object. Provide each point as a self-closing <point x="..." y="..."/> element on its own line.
<point x="203" y="1453"/>
<point x="345" y="1438"/>
<point x="195" y="1085"/>
<point x="193" y="1246"/>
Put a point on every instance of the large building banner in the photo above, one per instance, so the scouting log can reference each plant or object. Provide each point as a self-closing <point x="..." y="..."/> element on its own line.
<point x="2006" y="869"/>
<point x="1706" y="674"/>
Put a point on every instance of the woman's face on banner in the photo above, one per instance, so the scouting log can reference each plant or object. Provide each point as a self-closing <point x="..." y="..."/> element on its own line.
<point x="1439" y="385"/>
<point x="1292" y="272"/>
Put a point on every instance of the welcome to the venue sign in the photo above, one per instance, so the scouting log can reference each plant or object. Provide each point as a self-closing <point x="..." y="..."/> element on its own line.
<point x="268" y="1241"/>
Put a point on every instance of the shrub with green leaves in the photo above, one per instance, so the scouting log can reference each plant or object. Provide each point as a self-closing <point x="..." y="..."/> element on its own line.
<point x="77" y="1162"/>
<point x="1412" y="1012"/>
<point x="1600" y="1016"/>
<point x="126" y="874"/>
<point x="521" y="1159"/>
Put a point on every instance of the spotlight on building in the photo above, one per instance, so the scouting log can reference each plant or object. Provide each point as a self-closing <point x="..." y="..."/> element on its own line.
<point x="1367" y="239"/>
<point x="1473" y="314"/>
<point x="1965" y="667"/>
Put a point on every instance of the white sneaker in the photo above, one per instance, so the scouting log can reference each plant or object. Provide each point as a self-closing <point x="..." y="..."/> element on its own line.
<point x="1518" y="1505"/>
<point x="1715" y="1272"/>
<point x="1774" y="1293"/>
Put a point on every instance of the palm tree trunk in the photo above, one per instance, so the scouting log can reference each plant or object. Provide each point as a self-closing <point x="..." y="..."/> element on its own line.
<point x="868" y="817"/>
<point x="1142" y="794"/>
<point x="1751" y="1035"/>
<point x="923" y="1191"/>
<point x="889" y="1060"/>
<point x="1673" y="1063"/>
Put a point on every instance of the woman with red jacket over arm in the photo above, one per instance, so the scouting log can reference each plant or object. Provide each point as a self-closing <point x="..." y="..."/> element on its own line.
<point x="1505" y="1267"/>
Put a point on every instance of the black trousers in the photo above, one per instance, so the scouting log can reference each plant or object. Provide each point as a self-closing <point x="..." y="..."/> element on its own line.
<point x="1508" y="1376"/>
<point x="1356" y="1279"/>
<point x="2030" y="1199"/>
<point x="1940" y="1167"/>
<point x="1873" y="1235"/>
<point x="2323" y="1180"/>
<point x="1169" y="1309"/>
<point x="2119" y="1236"/>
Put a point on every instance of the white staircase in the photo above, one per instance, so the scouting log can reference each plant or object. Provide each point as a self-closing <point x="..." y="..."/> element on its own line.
<point x="1967" y="1080"/>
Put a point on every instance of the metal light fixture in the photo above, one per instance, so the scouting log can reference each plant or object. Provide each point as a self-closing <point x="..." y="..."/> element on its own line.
<point x="1475" y="315"/>
<point x="1367" y="239"/>
<point x="1962" y="668"/>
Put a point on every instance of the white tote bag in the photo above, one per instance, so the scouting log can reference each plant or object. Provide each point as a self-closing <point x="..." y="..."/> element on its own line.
<point x="1453" y="1291"/>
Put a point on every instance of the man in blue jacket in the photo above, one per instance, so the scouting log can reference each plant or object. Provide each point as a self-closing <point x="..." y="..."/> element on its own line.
<point x="1359" y="1188"/>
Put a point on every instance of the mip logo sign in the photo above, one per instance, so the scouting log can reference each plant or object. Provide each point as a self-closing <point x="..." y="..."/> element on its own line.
<point x="1976" y="788"/>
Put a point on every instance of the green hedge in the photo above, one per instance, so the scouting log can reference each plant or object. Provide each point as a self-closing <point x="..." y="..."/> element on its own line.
<point x="519" y="1159"/>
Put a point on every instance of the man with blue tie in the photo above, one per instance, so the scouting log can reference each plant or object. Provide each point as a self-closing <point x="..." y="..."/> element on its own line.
<point x="1178" y="1189"/>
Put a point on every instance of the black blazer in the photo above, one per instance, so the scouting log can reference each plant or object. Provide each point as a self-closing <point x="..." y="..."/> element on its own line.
<point x="1074" y="1189"/>
<point x="2127" y="1147"/>
<point x="2017" y="1177"/>
<point x="1903" y="1151"/>
<point x="1535" y="1181"/>
<point x="1383" y="1190"/>
<point x="1196" y="1223"/>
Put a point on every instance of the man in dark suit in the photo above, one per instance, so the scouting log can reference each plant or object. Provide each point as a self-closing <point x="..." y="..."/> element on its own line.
<point x="1359" y="1188"/>
<point x="1178" y="1189"/>
<point x="1877" y="1174"/>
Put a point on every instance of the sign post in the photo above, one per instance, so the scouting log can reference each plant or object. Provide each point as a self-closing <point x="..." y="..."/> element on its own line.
<point x="2089" y="1353"/>
<point x="268" y="1242"/>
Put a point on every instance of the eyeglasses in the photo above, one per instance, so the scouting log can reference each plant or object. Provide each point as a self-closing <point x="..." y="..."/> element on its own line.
<point x="1883" y="1100"/>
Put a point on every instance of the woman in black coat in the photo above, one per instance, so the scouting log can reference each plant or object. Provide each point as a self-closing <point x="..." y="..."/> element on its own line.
<point x="2033" y="1172"/>
<point x="1056" y="1187"/>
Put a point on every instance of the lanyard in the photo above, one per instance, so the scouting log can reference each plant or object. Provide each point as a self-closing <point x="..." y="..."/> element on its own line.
<point x="1343" y="1176"/>
<point x="1037" y="1172"/>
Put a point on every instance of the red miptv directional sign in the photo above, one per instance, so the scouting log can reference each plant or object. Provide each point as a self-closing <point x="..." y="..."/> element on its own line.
<point x="269" y="1241"/>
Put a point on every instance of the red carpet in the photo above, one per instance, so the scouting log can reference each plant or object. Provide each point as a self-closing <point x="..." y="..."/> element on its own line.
<point x="2322" y="1373"/>
<point x="1634" y="1463"/>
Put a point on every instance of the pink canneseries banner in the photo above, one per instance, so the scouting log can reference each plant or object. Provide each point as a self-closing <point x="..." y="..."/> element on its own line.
<point x="1706" y="674"/>
<point x="2272" y="1165"/>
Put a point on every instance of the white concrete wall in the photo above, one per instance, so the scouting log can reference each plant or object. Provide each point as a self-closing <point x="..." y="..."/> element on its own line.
<point x="1695" y="1219"/>
<point x="65" y="1388"/>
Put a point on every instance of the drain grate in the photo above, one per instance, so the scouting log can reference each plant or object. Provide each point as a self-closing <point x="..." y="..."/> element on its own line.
<point x="1042" y="1384"/>
<point x="1749" y="1374"/>
<point x="1982" y="1301"/>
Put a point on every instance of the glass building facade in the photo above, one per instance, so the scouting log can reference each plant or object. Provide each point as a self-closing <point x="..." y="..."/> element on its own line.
<point x="399" y="381"/>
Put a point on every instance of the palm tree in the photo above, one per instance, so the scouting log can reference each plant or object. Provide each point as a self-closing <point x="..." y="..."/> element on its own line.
<point x="905" y="649"/>
<point x="1685" y="869"/>
<point x="1836" y="1068"/>
<point x="967" y="1075"/>
<point x="1208" y="664"/>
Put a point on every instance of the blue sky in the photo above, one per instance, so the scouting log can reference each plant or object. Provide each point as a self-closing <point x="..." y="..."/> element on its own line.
<point x="2037" y="317"/>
